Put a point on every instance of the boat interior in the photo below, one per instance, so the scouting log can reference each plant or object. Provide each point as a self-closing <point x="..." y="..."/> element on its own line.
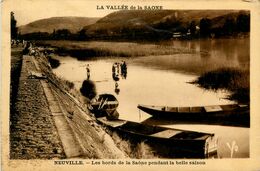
<point x="162" y="132"/>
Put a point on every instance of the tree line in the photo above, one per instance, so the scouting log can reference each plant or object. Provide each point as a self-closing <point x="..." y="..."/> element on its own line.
<point x="231" y="26"/>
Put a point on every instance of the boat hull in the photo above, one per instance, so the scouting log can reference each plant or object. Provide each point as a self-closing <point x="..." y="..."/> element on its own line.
<point x="230" y="112"/>
<point x="166" y="142"/>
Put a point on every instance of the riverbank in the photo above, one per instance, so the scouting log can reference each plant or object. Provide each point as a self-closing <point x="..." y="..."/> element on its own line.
<point x="235" y="80"/>
<point x="35" y="124"/>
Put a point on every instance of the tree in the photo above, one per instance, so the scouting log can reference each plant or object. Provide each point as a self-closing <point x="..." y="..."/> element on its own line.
<point x="54" y="34"/>
<point x="82" y="34"/>
<point x="14" y="28"/>
<point x="63" y="34"/>
<point x="243" y="23"/>
<point x="205" y="25"/>
<point x="88" y="89"/>
<point x="229" y="27"/>
<point x="192" y="28"/>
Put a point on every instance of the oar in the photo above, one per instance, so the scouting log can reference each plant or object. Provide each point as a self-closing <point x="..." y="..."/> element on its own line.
<point x="104" y="103"/>
<point x="100" y="103"/>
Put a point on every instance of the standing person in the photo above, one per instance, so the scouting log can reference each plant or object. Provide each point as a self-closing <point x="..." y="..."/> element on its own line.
<point x="88" y="71"/>
<point x="118" y="68"/>
<point x="123" y="69"/>
<point x="114" y="68"/>
<point x="26" y="49"/>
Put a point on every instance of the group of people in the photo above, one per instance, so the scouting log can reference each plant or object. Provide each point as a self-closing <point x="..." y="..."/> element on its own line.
<point x="30" y="49"/>
<point x="117" y="70"/>
<point x="16" y="42"/>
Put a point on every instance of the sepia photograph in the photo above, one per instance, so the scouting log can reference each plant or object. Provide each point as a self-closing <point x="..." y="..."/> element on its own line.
<point x="126" y="83"/>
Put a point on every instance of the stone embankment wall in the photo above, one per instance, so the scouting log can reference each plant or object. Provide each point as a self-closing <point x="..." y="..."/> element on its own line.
<point x="50" y="123"/>
<point x="16" y="63"/>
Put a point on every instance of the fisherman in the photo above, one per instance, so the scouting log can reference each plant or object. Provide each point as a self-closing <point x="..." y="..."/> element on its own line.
<point x="115" y="76"/>
<point x="114" y="68"/>
<point x="123" y="65"/>
<point x="88" y="71"/>
<point x="118" y="67"/>
<point x="123" y="69"/>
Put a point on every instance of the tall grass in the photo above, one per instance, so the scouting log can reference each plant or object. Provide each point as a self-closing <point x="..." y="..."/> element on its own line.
<point x="234" y="80"/>
<point x="67" y="85"/>
<point x="120" y="49"/>
<point x="138" y="150"/>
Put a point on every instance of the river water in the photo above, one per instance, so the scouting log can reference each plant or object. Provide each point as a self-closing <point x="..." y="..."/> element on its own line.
<point x="163" y="80"/>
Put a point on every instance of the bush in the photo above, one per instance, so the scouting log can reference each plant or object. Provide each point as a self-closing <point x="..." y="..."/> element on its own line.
<point x="69" y="84"/>
<point x="53" y="62"/>
<point x="88" y="89"/>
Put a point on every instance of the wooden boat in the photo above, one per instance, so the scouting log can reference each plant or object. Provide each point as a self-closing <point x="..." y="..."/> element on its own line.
<point x="170" y="142"/>
<point x="104" y="105"/>
<point x="198" y="112"/>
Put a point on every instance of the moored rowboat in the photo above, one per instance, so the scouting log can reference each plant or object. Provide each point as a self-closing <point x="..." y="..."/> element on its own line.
<point x="198" y="112"/>
<point x="104" y="105"/>
<point x="175" y="142"/>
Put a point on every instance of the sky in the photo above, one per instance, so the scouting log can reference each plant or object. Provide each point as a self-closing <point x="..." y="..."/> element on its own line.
<point x="27" y="11"/>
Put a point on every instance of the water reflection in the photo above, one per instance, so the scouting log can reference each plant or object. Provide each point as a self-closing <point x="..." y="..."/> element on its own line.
<point x="117" y="90"/>
<point x="208" y="54"/>
<point x="244" y="122"/>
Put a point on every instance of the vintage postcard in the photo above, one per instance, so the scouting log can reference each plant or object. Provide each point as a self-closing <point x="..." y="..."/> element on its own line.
<point x="101" y="85"/>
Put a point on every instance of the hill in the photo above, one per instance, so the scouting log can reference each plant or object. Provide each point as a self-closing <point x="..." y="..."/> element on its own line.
<point x="144" y="23"/>
<point x="74" y="24"/>
<point x="131" y="18"/>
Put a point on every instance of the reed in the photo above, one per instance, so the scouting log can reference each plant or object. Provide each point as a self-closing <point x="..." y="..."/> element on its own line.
<point x="68" y="85"/>
<point x="144" y="151"/>
<point x="235" y="80"/>
<point x="138" y="150"/>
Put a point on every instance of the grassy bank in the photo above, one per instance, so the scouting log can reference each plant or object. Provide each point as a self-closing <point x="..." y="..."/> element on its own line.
<point x="234" y="80"/>
<point x="82" y="50"/>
